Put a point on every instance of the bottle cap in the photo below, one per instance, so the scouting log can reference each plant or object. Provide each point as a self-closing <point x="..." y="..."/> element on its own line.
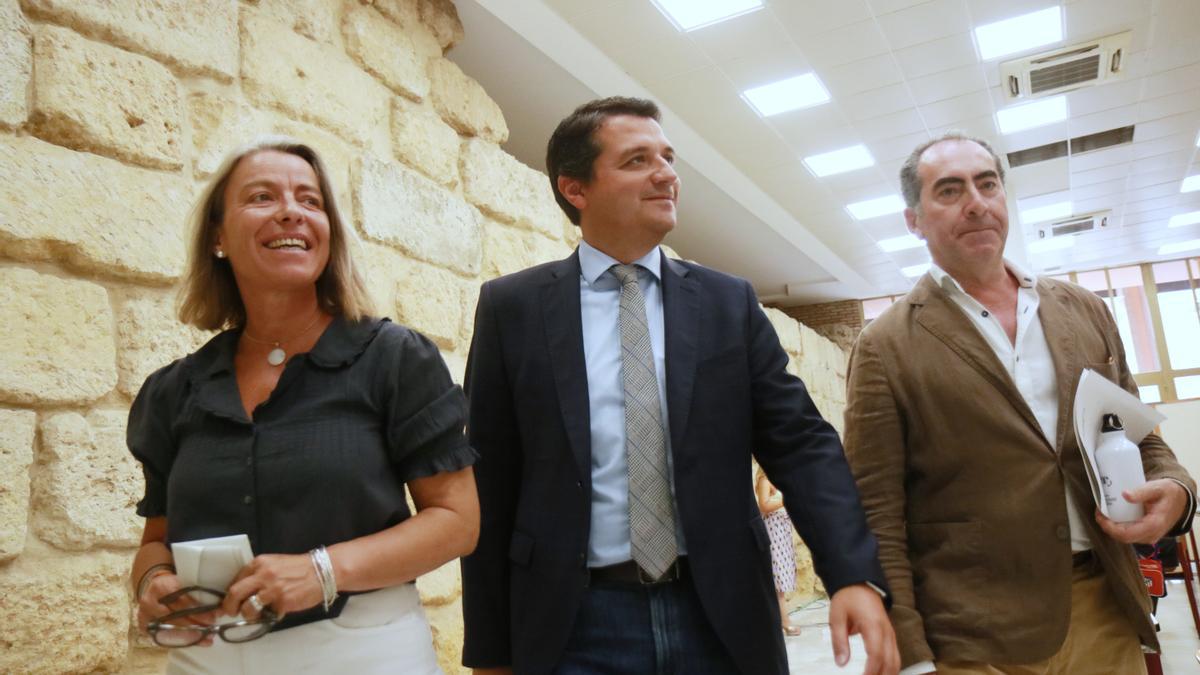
<point x="1112" y="422"/>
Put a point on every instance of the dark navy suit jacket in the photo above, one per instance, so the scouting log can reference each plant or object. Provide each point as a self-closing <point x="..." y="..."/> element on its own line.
<point x="728" y="397"/>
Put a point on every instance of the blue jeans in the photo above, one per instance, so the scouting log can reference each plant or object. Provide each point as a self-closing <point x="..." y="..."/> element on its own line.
<point x="624" y="629"/>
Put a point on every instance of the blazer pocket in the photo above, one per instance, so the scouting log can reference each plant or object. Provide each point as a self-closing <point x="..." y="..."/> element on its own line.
<point x="949" y="573"/>
<point x="759" y="528"/>
<point x="1107" y="368"/>
<point x="520" y="548"/>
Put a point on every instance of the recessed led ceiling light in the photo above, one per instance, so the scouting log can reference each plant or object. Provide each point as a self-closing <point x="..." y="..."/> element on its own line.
<point x="1184" y="219"/>
<point x="839" y="161"/>
<point x="1180" y="247"/>
<point x="1051" y="244"/>
<point x="873" y="208"/>
<point x="692" y="14"/>
<point x="1190" y="184"/>
<point x="1030" y="115"/>
<point x="1198" y="140"/>
<point x="893" y="244"/>
<point x="915" y="270"/>
<point x="1019" y="33"/>
<point x="794" y="93"/>
<point x="1043" y="213"/>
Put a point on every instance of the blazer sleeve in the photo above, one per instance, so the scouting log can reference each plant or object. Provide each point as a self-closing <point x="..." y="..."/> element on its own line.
<point x="492" y="431"/>
<point x="802" y="456"/>
<point x="875" y="447"/>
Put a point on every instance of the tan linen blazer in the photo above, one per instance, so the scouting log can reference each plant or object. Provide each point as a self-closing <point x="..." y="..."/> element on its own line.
<point x="963" y="490"/>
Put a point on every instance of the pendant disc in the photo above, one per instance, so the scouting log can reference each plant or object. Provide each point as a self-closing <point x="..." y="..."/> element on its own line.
<point x="276" y="356"/>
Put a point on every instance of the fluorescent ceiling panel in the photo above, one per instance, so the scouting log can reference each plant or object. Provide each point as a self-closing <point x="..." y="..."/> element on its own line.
<point x="1019" y="33"/>
<point x="794" y="93"/>
<point x="1180" y="247"/>
<point x="873" y="208"/>
<point x="1190" y="184"/>
<point x="1184" y="219"/>
<point x="915" y="270"/>
<point x="839" y="161"/>
<point x="1049" y="212"/>
<point x="1051" y="244"/>
<point x="893" y="244"/>
<point x="1030" y="115"/>
<point x="692" y="14"/>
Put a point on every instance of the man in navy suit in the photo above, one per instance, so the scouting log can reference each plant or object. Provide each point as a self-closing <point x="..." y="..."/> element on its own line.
<point x="616" y="398"/>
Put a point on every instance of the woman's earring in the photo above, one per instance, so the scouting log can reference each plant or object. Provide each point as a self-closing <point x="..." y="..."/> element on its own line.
<point x="219" y="253"/>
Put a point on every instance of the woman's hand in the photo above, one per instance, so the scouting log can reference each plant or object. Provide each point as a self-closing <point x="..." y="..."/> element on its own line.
<point x="149" y="607"/>
<point x="285" y="583"/>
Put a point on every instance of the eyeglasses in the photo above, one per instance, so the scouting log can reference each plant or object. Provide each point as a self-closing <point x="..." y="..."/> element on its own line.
<point x="168" y="634"/>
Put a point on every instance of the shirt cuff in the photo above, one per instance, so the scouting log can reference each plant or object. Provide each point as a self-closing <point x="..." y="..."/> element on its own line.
<point x="918" y="668"/>
<point x="1184" y="523"/>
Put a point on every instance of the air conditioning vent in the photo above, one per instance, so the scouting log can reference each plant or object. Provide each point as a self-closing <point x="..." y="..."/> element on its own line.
<point x="1065" y="69"/>
<point x="1071" y="147"/>
<point x="1075" y="225"/>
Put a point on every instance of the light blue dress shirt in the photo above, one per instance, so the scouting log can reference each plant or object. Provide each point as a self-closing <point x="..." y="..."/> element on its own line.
<point x="600" y="302"/>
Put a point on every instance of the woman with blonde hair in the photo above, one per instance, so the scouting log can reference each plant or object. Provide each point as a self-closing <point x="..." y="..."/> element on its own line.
<point x="299" y="425"/>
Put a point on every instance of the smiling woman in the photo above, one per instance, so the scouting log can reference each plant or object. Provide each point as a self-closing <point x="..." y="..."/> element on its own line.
<point x="300" y="426"/>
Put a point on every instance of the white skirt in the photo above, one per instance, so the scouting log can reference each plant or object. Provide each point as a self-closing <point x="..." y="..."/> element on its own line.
<point x="380" y="632"/>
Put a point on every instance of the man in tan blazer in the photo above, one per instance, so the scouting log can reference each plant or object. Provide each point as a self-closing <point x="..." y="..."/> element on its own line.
<point x="959" y="433"/>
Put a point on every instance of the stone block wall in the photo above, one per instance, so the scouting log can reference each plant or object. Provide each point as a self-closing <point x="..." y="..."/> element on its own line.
<point x="112" y="114"/>
<point x="840" y="321"/>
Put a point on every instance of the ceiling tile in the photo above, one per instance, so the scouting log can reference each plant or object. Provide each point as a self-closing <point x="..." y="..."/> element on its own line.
<point x="859" y="76"/>
<point x="1171" y="104"/>
<point x="1115" y="188"/>
<point x="740" y="37"/>
<point x="1091" y="19"/>
<point x="1182" y="123"/>
<point x="1176" y="161"/>
<point x="1082" y="125"/>
<point x="1104" y="97"/>
<point x="801" y="19"/>
<point x="890" y="126"/>
<point x="1098" y="158"/>
<point x="947" y="53"/>
<point x="948" y="84"/>
<point x="844" y="45"/>
<point x="1036" y="179"/>
<point x="1172" y="81"/>
<point x="876" y="102"/>
<point x="1162" y="145"/>
<point x="957" y="110"/>
<point x="1031" y="138"/>
<point x="802" y="127"/>
<point x="572" y="8"/>
<point x="925" y="23"/>
<point x="882" y="7"/>
<point x="1148" y="178"/>
<point x="765" y="65"/>
<point x="896" y="147"/>
<point x="983" y="126"/>
<point x="1104" y="174"/>
<point x="989" y="11"/>
<point x="641" y="40"/>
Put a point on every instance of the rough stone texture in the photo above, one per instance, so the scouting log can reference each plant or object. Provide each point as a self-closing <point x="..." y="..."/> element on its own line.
<point x="442" y="18"/>
<point x="64" y="614"/>
<point x="16" y="65"/>
<point x="787" y="329"/>
<point x="193" y="36"/>
<point x="57" y="342"/>
<point x="447" y="627"/>
<point x="430" y="300"/>
<point x="149" y="337"/>
<point x="314" y="19"/>
<point x="398" y="207"/>
<point x="441" y="586"/>
<point x="387" y="52"/>
<point x="507" y="190"/>
<point x="104" y="217"/>
<point x="17" y="429"/>
<point x="456" y="363"/>
<point x="423" y="141"/>
<point x="93" y="97"/>
<point x="509" y="250"/>
<point x="87" y="484"/>
<point x="407" y="13"/>
<point x="463" y="103"/>
<point x="310" y="81"/>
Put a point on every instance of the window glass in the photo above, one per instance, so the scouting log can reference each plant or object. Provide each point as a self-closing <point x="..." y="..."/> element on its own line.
<point x="1187" y="387"/>
<point x="1061" y="277"/>
<point x="1093" y="281"/>
<point x="1132" y="313"/>
<point x="1150" y="394"/>
<point x="1180" y="317"/>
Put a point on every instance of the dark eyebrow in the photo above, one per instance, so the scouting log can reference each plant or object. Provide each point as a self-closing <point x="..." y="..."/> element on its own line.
<point x="264" y="182"/>
<point x="955" y="180"/>
<point x="645" y="148"/>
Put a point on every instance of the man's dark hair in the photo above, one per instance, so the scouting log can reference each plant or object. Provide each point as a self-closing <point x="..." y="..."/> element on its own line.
<point x="910" y="180"/>
<point x="573" y="149"/>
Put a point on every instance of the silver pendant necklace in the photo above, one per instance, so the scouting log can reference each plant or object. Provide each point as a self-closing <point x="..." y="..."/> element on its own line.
<point x="277" y="355"/>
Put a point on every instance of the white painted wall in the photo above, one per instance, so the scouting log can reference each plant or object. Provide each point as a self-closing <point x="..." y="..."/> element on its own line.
<point x="1181" y="431"/>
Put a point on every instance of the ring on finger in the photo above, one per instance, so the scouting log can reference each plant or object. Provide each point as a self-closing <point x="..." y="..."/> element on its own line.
<point x="256" y="603"/>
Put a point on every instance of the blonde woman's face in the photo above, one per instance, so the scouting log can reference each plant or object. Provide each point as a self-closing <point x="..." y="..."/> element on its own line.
<point x="275" y="231"/>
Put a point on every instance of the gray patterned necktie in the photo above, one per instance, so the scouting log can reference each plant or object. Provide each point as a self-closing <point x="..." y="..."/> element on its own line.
<point x="651" y="508"/>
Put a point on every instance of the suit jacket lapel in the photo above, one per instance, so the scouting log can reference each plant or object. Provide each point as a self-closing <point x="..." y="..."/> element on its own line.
<point x="945" y="320"/>
<point x="1067" y="367"/>
<point x="564" y="337"/>
<point x="681" y="324"/>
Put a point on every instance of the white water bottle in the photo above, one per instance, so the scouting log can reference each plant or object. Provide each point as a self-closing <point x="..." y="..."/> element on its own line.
<point x="1120" y="463"/>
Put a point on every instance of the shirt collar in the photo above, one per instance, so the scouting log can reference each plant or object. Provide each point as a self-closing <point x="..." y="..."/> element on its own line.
<point x="1024" y="278"/>
<point x="593" y="262"/>
<point x="341" y="344"/>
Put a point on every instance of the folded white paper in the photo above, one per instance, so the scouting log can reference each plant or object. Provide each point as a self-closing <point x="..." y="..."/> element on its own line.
<point x="212" y="563"/>
<point x="1095" y="397"/>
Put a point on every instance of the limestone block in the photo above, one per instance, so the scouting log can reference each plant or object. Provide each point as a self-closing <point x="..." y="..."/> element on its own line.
<point x="16" y="454"/>
<point x="446" y="623"/>
<point x="310" y="81"/>
<point x="387" y="52"/>
<point x="463" y="103"/>
<point x="810" y="343"/>
<point x="509" y="250"/>
<point x="430" y="300"/>
<point x="787" y="328"/>
<point x="16" y="64"/>
<point x="407" y="13"/>
<point x="423" y="141"/>
<point x="64" y="615"/>
<point x="314" y="19"/>
<point x="507" y="190"/>
<point x="87" y="485"/>
<point x="441" y="586"/>
<point x="104" y="217"/>
<point x="192" y="36"/>
<point x="149" y="337"/>
<point x="93" y="97"/>
<point x="381" y="267"/>
<point x="442" y="18"/>
<point x="457" y="364"/>
<point x="667" y="250"/>
<point x="57" y="341"/>
<point x="571" y="235"/>
<point x="398" y="207"/>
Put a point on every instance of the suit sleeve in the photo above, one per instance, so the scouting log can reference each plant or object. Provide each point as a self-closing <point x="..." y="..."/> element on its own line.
<point x="801" y="454"/>
<point x="875" y="447"/>
<point x="492" y="431"/>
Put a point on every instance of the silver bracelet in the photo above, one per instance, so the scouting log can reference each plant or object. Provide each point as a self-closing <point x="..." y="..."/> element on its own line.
<point x="323" y="566"/>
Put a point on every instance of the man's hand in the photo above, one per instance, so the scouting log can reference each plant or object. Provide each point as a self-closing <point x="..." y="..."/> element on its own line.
<point x="1164" y="501"/>
<point x="491" y="671"/>
<point x="858" y="610"/>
